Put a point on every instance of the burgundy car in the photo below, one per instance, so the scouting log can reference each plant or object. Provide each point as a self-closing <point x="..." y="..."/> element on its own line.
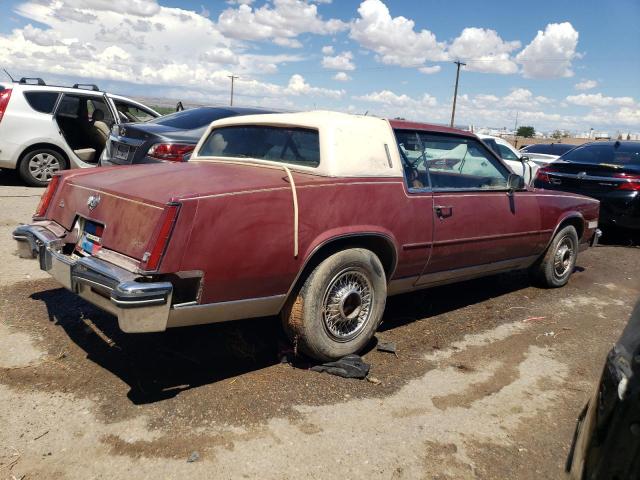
<point x="316" y="216"/>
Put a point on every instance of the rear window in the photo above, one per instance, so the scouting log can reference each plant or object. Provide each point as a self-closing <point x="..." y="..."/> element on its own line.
<point x="192" y="119"/>
<point x="42" y="101"/>
<point x="298" y="146"/>
<point x="623" y="154"/>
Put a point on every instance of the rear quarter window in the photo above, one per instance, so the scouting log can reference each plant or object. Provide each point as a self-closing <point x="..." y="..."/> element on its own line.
<point x="298" y="146"/>
<point x="42" y="102"/>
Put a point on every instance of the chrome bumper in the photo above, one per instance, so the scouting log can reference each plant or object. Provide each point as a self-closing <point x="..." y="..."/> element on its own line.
<point x="139" y="306"/>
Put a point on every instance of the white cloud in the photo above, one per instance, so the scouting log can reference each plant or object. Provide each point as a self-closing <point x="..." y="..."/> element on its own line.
<point x="388" y="97"/>
<point x="551" y="52"/>
<point x="81" y="46"/>
<point x="586" y="85"/>
<point x="298" y="86"/>
<point x="341" y="77"/>
<point x="599" y="100"/>
<point x="342" y="61"/>
<point x="282" y="22"/>
<point x="394" y="40"/>
<point x="484" y="51"/>
<point x="430" y="70"/>
<point x="143" y="8"/>
<point x="327" y="50"/>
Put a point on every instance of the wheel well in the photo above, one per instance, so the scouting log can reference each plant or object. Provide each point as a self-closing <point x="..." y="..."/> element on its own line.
<point x="378" y="244"/>
<point x="38" y="146"/>
<point x="576" y="222"/>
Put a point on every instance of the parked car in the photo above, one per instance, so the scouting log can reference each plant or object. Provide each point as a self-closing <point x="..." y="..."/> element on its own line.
<point x="607" y="171"/>
<point x="516" y="161"/>
<point x="543" y="153"/>
<point x="316" y="216"/>
<point x="170" y="138"/>
<point x="607" y="437"/>
<point x="46" y="128"/>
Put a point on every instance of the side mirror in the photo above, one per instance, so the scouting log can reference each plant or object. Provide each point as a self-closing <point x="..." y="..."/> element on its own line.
<point x="524" y="158"/>
<point x="515" y="182"/>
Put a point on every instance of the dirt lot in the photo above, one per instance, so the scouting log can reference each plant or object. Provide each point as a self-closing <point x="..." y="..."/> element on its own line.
<point x="489" y="378"/>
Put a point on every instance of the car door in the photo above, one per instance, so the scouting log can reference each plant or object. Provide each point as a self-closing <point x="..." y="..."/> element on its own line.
<point x="479" y="225"/>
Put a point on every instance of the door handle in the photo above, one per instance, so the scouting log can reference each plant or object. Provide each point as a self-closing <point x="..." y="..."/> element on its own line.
<point x="443" y="211"/>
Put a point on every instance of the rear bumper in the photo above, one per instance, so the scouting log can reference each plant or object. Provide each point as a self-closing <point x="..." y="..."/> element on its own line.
<point x="139" y="306"/>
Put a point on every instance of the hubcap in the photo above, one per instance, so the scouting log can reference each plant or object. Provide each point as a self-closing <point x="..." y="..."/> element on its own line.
<point x="43" y="166"/>
<point x="347" y="304"/>
<point x="563" y="259"/>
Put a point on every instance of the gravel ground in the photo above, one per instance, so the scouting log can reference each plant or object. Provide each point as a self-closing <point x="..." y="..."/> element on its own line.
<point x="489" y="378"/>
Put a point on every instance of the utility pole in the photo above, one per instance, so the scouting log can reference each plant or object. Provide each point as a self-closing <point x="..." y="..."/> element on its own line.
<point x="232" y="77"/>
<point x="455" y="92"/>
<point x="515" y="131"/>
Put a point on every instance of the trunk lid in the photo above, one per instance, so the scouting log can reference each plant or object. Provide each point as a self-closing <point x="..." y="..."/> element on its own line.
<point x="588" y="178"/>
<point x="129" y="201"/>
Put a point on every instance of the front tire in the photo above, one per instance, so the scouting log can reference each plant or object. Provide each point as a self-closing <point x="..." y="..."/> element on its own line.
<point x="339" y="306"/>
<point x="37" y="167"/>
<point x="556" y="266"/>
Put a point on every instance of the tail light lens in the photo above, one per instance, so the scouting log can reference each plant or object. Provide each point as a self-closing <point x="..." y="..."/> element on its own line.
<point x="172" y="152"/>
<point x="46" y="198"/>
<point x="5" y="95"/>
<point x="632" y="182"/>
<point x="160" y="238"/>
<point x="542" y="174"/>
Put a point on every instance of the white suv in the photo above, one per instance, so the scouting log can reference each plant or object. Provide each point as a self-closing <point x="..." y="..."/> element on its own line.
<point x="518" y="162"/>
<point x="46" y="128"/>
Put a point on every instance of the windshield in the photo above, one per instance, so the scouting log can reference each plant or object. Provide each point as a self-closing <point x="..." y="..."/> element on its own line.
<point x="618" y="154"/>
<point x="192" y="119"/>
<point x="298" y="146"/>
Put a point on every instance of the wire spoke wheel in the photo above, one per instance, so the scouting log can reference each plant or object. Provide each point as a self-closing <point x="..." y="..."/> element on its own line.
<point x="43" y="166"/>
<point x="347" y="304"/>
<point x="564" y="257"/>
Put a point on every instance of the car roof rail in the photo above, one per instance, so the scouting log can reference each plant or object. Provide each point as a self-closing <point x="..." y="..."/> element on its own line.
<point x="86" y="86"/>
<point x="30" y="80"/>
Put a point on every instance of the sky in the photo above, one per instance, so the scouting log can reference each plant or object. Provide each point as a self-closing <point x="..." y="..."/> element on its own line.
<point x="558" y="64"/>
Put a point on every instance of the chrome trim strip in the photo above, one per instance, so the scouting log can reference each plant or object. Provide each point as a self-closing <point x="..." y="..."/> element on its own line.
<point x="589" y="177"/>
<point x="468" y="273"/>
<point x="182" y="316"/>
<point x="487" y="238"/>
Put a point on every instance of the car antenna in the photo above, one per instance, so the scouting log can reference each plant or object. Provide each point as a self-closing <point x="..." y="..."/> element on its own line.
<point x="8" y="74"/>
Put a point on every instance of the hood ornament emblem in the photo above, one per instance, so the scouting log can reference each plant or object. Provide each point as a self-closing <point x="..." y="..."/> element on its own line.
<point x="93" y="201"/>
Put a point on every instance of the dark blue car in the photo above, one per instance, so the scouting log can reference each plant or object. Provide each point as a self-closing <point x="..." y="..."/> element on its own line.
<point x="171" y="138"/>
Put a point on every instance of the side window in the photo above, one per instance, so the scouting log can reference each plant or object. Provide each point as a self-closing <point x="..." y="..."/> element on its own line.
<point x="131" y="113"/>
<point x="69" y="107"/>
<point x="506" y="153"/>
<point x="98" y="111"/>
<point x="412" y="155"/>
<point x="42" y="102"/>
<point x="456" y="163"/>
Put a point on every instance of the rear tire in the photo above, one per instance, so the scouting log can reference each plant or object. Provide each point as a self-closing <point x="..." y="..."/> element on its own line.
<point x="339" y="306"/>
<point x="556" y="266"/>
<point x="37" y="167"/>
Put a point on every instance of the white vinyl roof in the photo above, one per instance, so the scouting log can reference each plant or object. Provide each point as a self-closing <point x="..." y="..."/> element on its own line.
<point x="350" y="145"/>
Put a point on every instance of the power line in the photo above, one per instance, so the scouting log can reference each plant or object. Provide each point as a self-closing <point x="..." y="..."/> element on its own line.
<point x="455" y="92"/>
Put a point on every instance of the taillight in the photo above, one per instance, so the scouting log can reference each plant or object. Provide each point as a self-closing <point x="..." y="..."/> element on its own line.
<point x="632" y="182"/>
<point x="542" y="174"/>
<point x="172" y="152"/>
<point x="160" y="239"/>
<point x="5" y="95"/>
<point x="46" y="198"/>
